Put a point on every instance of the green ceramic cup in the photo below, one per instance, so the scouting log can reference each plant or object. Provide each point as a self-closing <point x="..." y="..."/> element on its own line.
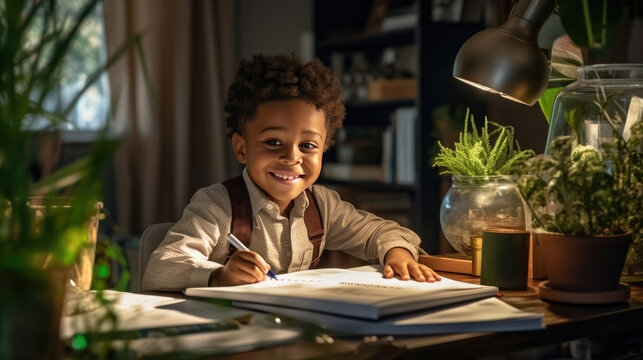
<point x="505" y="258"/>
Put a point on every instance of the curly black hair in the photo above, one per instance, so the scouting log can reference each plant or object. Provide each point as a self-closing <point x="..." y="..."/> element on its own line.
<point x="267" y="78"/>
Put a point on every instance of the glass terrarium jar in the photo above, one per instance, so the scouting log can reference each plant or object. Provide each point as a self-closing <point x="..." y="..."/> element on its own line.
<point x="474" y="203"/>
<point x="605" y="98"/>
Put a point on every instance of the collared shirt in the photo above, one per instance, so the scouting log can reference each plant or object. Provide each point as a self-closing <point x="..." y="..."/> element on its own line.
<point x="196" y="244"/>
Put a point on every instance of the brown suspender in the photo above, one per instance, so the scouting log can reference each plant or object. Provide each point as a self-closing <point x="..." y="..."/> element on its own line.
<point x="241" y="225"/>
<point x="313" y="222"/>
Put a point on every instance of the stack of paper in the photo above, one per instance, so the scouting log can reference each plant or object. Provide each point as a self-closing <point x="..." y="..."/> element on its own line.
<point x="361" y="301"/>
<point x="490" y="314"/>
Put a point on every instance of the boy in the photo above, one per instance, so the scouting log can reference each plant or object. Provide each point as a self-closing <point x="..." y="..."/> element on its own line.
<point x="282" y="115"/>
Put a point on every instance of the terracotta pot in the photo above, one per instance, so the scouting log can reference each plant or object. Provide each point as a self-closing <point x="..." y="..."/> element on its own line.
<point x="584" y="263"/>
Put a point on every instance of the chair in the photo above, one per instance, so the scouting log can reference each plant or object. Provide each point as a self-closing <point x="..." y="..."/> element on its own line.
<point x="150" y="240"/>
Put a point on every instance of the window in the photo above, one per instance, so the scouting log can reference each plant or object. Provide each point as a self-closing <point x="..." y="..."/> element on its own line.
<point x="85" y="56"/>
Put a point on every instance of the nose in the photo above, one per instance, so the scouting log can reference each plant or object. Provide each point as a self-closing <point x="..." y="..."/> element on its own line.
<point x="291" y="155"/>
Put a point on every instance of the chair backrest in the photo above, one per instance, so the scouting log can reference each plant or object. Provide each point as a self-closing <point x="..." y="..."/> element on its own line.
<point x="150" y="240"/>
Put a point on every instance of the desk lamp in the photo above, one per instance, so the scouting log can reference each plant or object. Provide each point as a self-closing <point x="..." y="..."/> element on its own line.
<point x="506" y="60"/>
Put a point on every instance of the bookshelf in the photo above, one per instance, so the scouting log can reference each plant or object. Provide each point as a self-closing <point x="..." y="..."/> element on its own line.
<point x="423" y="51"/>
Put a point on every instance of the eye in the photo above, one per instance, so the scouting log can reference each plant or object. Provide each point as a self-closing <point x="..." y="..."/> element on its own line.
<point x="272" y="142"/>
<point x="308" y="146"/>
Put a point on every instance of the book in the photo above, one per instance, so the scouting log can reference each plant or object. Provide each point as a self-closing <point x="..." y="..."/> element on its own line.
<point x="388" y="153"/>
<point x="489" y="314"/>
<point x="359" y="292"/>
<point x="404" y="119"/>
<point x="401" y="21"/>
<point x="361" y="145"/>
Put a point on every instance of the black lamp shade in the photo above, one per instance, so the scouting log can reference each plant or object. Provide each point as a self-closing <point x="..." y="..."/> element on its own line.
<point x="507" y="60"/>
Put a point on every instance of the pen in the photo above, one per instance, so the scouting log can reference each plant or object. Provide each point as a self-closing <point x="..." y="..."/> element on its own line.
<point x="239" y="245"/>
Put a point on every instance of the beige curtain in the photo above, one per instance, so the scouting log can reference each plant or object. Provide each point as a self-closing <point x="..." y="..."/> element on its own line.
<point x="174" y="130"/>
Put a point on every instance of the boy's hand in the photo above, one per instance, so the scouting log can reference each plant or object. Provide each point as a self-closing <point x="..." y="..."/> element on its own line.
<point x="243" y="267"/>
<point x="400" y="262"/>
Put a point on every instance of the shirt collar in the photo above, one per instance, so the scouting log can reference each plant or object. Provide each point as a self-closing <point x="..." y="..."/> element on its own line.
<point x="259" y="199"/>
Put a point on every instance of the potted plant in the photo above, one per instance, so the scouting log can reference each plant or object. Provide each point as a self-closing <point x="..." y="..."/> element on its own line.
<point x="483" y="165"/>
<point x="588" y="100"/>
<point x="40" y="241"/>
<point x="586" y="204"/>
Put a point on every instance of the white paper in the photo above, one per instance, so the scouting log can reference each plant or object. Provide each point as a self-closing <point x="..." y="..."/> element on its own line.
<point x="137" y="312"/>
<point x="491" y="314"/>
<point x="361" y="292"/>
<point x="243" y="339"/>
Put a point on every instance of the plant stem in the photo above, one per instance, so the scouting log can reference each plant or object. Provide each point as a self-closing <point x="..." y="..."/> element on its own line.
<point x="531" y="209"/>
<point x="588" y="24"/>
<point x="568" y="204"/>
<point x="604" y="24"/>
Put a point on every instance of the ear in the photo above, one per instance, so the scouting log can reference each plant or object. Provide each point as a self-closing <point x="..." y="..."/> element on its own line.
<point x="239" y="147"/>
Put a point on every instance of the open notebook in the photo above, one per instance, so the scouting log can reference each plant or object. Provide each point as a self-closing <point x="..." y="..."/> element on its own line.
<point x="359" y="292"/>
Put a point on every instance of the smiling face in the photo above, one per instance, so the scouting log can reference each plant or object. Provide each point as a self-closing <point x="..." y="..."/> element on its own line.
<point x="282" y="147"/>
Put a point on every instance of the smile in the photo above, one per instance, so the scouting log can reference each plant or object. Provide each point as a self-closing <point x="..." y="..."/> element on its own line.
<point x="288" y="178"/>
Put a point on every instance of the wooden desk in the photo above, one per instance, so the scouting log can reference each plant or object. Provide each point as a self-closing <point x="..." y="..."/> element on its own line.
<point x="563" y="323"/>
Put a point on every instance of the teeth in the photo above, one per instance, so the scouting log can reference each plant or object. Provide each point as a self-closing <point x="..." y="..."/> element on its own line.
<point x="285" y="177"/>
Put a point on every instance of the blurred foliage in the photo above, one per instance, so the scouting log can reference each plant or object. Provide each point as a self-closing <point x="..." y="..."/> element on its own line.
<point x="27" y="75"/>
<point x="591" y="25"/>
<point x="43" y="45"/>
<point x="83" y="55"/>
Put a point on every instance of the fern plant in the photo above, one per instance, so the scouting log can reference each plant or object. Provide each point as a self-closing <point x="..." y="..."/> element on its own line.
<point x="482" y="152"/>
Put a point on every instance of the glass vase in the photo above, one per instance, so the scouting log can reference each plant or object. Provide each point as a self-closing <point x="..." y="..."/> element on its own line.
<point x="604" y="99"/>
<point x="474" y="203"/>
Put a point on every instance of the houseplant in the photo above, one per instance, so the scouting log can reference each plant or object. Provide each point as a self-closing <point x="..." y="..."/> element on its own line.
<point x="38" y="244"/>
<point x="588" y="100"/>
<point x="591" y="28"/>
<point x="483" y="192"/>
<point x="589" y="202"/>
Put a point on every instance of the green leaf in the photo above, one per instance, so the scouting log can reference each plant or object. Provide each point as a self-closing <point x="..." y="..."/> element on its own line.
<point x="591" y="23"/>
<point x="566" y="58"/>
<point x="63" y="177"/>
<point x="546" y="101"/>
